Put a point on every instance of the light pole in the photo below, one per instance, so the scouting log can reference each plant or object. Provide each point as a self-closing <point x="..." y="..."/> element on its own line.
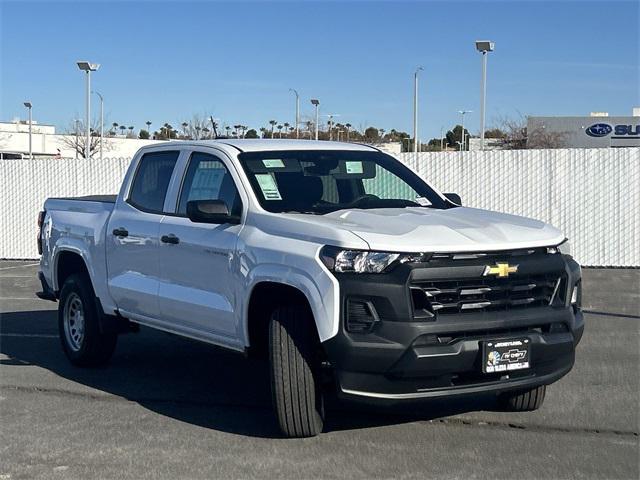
<point x="101" y="120"/>
<point x="415" y="109"/>
<point x="463" y="113"/>
<point x="29" y="106"/>
<point x="483" y="46"/>
<point x="88" y="68"/>
<point x="441" y="138"/>
<point x="316" y="103"/>
<point x="297" y="110"/>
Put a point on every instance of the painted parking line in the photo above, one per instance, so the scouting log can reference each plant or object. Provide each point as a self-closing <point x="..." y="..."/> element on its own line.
<point x="6" y="299"/>
<point x="19" y="266"/>
<point x="29" y="335"/>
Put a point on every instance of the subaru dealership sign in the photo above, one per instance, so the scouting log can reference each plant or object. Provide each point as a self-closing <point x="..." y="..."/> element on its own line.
<point x="586" y="132"/>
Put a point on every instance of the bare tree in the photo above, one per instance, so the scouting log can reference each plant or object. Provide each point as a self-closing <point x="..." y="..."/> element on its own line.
<point x="74" y="138"/>
<point x="193" y="128"/>
<point x="514" y="131"/>
<point x="543" y="138"/>
<point x="516" y="135"/>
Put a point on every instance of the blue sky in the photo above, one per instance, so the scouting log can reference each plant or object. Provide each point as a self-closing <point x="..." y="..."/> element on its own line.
<point x="165" y="61"/>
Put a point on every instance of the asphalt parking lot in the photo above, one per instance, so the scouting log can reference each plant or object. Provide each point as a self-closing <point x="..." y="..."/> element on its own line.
<point x="167" y="407"/>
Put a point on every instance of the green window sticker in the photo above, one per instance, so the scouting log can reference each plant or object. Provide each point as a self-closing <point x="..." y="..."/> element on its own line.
<point x="353" y="167"/>
<point x="273" y="163"/>
<point x="268" y="185"/>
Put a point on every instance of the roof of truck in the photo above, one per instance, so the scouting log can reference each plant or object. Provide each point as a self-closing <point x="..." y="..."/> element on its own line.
<point x="262" y="145"/>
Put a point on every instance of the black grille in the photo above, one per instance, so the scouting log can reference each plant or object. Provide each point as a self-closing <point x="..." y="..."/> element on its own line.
<point x="485" y="294"/>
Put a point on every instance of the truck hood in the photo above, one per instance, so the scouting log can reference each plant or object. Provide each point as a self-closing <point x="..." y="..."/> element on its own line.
<point x="461" y="229"/>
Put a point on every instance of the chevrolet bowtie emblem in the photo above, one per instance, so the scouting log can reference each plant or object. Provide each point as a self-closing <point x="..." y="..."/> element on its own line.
<point x="500" y="269"/>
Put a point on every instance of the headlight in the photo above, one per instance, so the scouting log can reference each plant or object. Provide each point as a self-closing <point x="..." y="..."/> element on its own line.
<point x="564" y="248"/>
<point x="364" y="261"/>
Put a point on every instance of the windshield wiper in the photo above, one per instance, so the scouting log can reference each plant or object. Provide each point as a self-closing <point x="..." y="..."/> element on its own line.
<point x="309" y="212"/>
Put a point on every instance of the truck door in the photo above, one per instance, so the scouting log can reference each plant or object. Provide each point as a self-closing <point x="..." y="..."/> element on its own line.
<point x="197" y="284"/>
<point x="132" y="236"/>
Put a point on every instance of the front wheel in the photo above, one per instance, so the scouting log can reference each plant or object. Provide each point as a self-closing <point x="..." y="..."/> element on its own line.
<point x="295" y="388"/>
<point x="78" y="324"/>
<point x="523" y="400"/>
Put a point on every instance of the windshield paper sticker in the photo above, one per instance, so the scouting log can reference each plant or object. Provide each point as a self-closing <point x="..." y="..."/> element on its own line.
<point x="268" y="186"/>
<point x="273" y="163"/>
<point x="353" y="167"/>
<point x="423" y="202"/>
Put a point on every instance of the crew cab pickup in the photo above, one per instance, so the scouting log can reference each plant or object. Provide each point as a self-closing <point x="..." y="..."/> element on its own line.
<point x="334" y="261"/>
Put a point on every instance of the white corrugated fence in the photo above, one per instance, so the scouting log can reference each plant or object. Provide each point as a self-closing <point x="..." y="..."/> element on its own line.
<point x="592" y="195"/>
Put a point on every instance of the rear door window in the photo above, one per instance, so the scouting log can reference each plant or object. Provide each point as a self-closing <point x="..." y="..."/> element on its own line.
<point x="152" y="178"/>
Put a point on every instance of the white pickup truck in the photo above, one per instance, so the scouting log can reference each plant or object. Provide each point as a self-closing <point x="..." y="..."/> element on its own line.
<point x="333" y="260"/>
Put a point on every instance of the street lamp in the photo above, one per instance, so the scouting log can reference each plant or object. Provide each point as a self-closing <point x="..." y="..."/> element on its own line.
<point x="101" y="120"/>
<point x="88" y="68"/>
<point x="297" y="110"/>
<point x="463" y="113"/>
<point x="415" y="109"/>
<point x="483" y="46"/>
<point x="316" y="103"/>
<point x="29" y="106"/>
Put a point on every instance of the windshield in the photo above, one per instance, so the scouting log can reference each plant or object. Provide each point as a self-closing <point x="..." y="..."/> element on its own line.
<point x="320" y="182"/>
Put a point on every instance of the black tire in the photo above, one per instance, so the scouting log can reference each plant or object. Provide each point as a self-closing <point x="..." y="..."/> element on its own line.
<point x="295" y="388"/>
<point x="523" y="400"/>
<point x="91" y="347"/>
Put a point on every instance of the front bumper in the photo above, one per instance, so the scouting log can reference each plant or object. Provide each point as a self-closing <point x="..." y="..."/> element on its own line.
<point x="401" y="359"/>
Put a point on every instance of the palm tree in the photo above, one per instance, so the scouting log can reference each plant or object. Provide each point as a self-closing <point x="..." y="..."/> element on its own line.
<point x="263" y="131"/>
<point x="291" y="129"/>
<point x="348" y="127"/>
<point x="273" y="124"/>
<point x="184" y="128"/>
<point x="122" y="129"/>
<point x="280" y="130"/>
<point x="227" y="128"/>
<point x="197" y="129"/>
<point x="381" y="130"/>
<point x="205" y="132"/>
<point x="244" y="129"/>
<point x="148" y="124"/>
<point x="114" y="128"/>
<point x="130" y="131"/>
<point x="286" y="126"/>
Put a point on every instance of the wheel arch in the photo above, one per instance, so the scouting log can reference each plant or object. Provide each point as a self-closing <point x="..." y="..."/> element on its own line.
<point x="265" y="296"/>
<point x="67" y="262"/>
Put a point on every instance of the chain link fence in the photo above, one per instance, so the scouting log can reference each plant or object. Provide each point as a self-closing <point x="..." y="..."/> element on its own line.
<point x="592" y="195"/>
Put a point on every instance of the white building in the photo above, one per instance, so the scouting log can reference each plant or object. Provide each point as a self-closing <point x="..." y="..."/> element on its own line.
<point x="14" y="142"/>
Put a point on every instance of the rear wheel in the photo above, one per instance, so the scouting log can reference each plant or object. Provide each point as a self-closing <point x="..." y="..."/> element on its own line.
<point x="79" y="326"/>
<point x="523" y="400"/>
<point x="295" y="388"/>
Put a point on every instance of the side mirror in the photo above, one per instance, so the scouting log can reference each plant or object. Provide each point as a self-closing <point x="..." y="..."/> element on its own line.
<point x="453" y="197"/>
<point x="210" y="211"/>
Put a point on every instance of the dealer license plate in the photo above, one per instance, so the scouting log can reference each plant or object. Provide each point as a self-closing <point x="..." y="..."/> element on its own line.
<point x="506" y="355"/>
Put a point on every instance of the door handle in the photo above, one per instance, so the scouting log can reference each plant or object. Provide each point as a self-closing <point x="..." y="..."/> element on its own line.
<point x="171" y="238"/>
<point x="120" y="232"/>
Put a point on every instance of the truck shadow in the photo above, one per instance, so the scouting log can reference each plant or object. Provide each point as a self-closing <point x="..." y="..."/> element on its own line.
<point x="188" y="381"/>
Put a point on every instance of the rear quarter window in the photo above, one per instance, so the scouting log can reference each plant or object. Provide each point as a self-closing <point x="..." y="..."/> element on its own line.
<point x="151" y="181"/>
